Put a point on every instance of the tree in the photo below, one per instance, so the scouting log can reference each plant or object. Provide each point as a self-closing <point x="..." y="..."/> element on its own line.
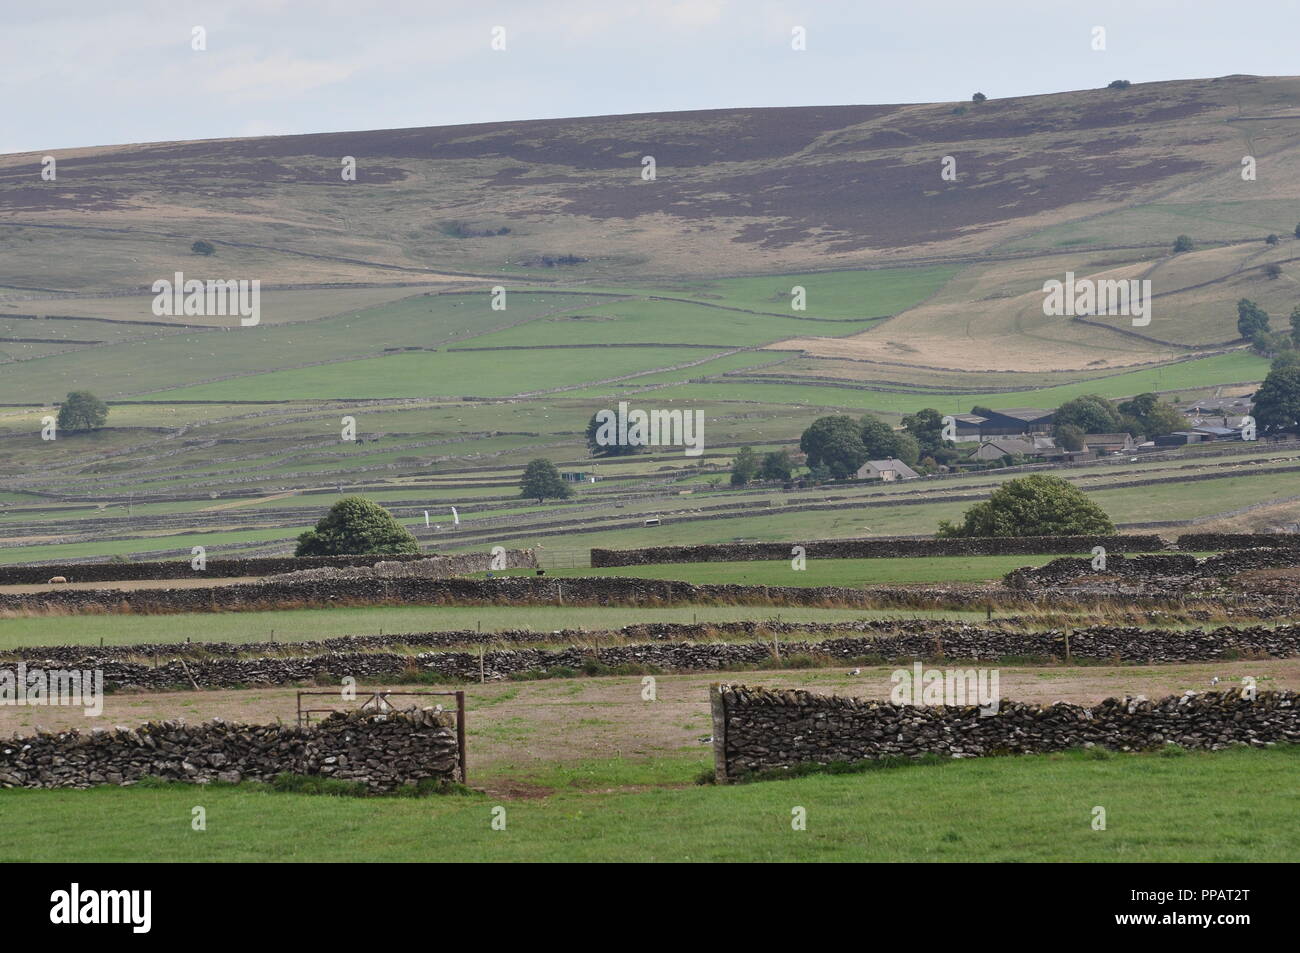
<point x="1295" y="326"/>
<point x="1069" y="437"/>
<point x="1252" y="320"/>
<point x="834" y="443"/>
<point x="1090" y="413"/>
<point x="1297" y="231"/>
<point x="979" y="410"/>
<point x="606" y="444"/>
<point x="1037" y="505"/>
<point x="1277" y="402"/>
<point x="926" y="426"/>
<point x="203" y="248"/>
<point x="1149" y="416"/>
<point x="777" y="465"/>
<point x="1271" y="240"/>
<point x="355" y="525"/>
<point x="82" y="410"/>
<point x="878" y="438"/>
<point x="978" y="98"/>
<point x="1182" y="243"/>
<point x="1273" y="270"/>
<point x="1118" y="84"/>
<point x="541" y="480"/>
<point x="907" y="448"/>
<point x="744" y="467"/>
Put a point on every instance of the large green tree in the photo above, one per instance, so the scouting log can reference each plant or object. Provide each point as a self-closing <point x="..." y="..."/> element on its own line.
<point x="541" y="481"/>
<point x="1295" y="327"/>
<point x="1149" y="416"/>
<point x="605" y="447"/>
<point x="834" y="443"/>
<point x="1277" y="402"/>
<point x="776" y="465"/>
<point x="1252" y="320"/>
<point x="1090" y="413"/>
<point x="744" y="466"/>
<point x="82" y="410"/>
<point x="1037" y="505"/>
<point x="355" y="525"/>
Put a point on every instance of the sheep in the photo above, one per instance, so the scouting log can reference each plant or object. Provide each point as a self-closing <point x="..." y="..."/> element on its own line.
<point x="57" y="579"/>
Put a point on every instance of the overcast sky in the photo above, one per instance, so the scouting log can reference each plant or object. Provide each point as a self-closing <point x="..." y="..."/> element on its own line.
<point x="93" y="72"/>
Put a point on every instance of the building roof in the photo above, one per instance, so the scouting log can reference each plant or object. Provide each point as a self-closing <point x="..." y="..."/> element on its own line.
<point x="1217" y="431"/>
<point x="1107" y="438"/>
<point x="1011" y="445"/>
<point x="1025" y="413"/>
<point x="969" y="418"/>
<point x="898" y="466"/>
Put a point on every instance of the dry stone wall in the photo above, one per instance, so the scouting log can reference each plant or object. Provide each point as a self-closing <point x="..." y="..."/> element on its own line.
<point x="1218" y="542"/>
<point x="1155" y="567"/>
<point x="904" y="643"/>
<point x="878" y="548"/>
<point x="759" y="730"/>
<point x="181" y="569"/>
<point x="382" y="751"/>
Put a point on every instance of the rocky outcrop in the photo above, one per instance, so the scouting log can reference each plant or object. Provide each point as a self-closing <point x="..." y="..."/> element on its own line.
<point x="382" y="751"/>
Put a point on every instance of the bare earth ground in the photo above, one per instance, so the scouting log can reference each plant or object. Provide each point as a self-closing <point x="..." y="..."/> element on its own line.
<point x="517" y="729"/>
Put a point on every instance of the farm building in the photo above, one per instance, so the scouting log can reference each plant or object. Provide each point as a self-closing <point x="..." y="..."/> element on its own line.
<point x="886" y="470"/>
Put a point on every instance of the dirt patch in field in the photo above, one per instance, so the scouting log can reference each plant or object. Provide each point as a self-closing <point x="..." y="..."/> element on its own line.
<point x="519" y="730"/>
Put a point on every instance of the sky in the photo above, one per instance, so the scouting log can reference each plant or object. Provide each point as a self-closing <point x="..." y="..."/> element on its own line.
<point x="90" y="72"/>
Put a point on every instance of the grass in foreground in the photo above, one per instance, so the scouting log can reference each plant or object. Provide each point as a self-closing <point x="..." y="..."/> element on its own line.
<point x="1235" y="806"/>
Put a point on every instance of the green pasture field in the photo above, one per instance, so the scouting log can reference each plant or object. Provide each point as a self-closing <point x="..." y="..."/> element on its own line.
<point x="176" y="360"/>
<point x="661" y="322"/>
<point x="1205" y="372"/>
<point x="1032" y="808"/>
<point x="874" y="293"/>
<point x="422" y="374"/>
<point x="294" y="625"/>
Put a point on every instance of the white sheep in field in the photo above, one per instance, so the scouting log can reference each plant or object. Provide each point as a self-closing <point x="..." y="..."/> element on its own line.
<point x="57" y="579"/>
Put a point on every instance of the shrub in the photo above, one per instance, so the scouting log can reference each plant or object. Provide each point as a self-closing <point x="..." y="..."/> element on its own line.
<point x="353" y="526"/>
<point x="203" y="248"/>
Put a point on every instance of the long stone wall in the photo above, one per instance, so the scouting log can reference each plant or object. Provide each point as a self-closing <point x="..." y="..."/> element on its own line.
<point x="1218" y="542"/>
<point x="758" y="730"/>
<point x="181" y="569"/>
<point x="951" y="641"/>
<point x="383" y="752"/>
<point x="1156" y="566"/>
<point x="880" y="548"/>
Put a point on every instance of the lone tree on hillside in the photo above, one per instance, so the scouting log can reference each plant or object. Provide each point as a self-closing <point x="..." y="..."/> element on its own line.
<point x="1037" y="505"/>
<point x="355" y="525"/>
<point x="82" y="410"/>
<point x="1182" y="243"/>
<point x="599" y="440"/>
<point x="978" y="98"/>
<point x="541" y="481"/>
<point x="1252" y="320"/>
<point x="202" y="247"/>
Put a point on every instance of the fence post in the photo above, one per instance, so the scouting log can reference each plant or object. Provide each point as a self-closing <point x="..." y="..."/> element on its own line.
<point x="460" y="736"/>
<point x="718" y="708"/>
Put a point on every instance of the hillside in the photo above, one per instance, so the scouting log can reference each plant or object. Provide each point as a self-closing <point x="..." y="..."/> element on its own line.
<point x="672" y="292"/>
